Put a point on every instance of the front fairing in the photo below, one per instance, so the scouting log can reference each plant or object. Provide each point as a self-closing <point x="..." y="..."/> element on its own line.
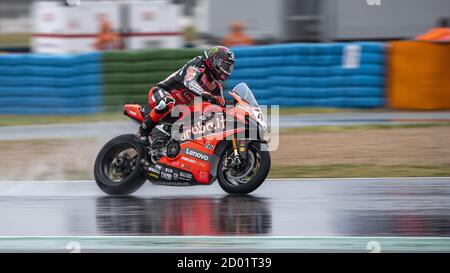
<point x="246" y="103"/>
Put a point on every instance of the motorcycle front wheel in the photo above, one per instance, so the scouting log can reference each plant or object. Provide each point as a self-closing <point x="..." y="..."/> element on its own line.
<point x="117" y="169"/>
<point x="248" y="177"/>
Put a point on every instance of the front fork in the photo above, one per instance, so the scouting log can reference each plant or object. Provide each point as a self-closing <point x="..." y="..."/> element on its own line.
<point x="236" y="159"/>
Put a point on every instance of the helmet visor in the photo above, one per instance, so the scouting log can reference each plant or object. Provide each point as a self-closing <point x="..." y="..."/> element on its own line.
<point x="224" y="66"/>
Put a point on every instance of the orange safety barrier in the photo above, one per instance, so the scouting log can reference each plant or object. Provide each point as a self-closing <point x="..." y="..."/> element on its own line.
<point x="436" y="34"/>
<point x="419" y="75"/>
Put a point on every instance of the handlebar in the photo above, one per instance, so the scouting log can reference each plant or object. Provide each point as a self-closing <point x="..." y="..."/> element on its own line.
<point x="229" y="102"/>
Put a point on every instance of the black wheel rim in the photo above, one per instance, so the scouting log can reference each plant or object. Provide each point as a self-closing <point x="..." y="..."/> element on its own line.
<point x="119" y="162"/>
<point x="252" y="167"/>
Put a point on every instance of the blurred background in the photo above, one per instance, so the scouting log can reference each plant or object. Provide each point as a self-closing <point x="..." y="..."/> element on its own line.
<point x="44" y="26"/>
<point x="362" y="85"/>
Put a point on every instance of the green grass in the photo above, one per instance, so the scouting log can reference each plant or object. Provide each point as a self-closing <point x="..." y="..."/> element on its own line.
<point x="363" y="170"/>
<point x="10" y="120"/>
<point x="336" y="128"/>
<point x="17" y="39"/>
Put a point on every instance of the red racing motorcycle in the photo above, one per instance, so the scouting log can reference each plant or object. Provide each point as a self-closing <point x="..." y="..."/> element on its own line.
<point x="203" y="143"/>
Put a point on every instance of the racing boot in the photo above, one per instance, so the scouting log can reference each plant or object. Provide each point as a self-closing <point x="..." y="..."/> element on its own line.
<point x="144" y="131"/>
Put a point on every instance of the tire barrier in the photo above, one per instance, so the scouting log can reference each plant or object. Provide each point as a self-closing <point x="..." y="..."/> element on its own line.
<point x="419" y="75"/>
<point x="127" y="76"/>
<point x="330" y="75"/>
<point x="46" y="84"/>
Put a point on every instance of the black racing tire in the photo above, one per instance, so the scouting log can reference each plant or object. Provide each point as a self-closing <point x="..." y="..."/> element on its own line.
<point x="127" y="185"/>
<point x="255" y="181"/>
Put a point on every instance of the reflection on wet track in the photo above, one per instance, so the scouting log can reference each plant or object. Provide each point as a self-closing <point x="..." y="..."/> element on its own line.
<point x="228" y="215"/>
<point x="316" y="207"/>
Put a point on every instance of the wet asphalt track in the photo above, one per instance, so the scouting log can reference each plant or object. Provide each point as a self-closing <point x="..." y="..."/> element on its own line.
<point x="283" y="215"/>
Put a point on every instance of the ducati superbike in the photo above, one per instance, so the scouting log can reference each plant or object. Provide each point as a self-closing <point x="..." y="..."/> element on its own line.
<point x="204" y="143"/>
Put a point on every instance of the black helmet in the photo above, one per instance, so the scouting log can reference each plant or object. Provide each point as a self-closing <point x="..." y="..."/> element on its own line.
<point x="220" y="60"/>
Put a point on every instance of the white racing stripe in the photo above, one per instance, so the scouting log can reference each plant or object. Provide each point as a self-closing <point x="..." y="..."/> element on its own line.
<point x="223" y="244"/>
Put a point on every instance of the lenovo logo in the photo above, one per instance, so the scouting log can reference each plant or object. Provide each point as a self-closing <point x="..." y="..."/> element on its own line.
<point x="197" y="154"/>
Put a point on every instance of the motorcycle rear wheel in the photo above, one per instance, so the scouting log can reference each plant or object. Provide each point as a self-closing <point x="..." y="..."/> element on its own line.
<point x="251" y="177"/>
<point x="117" y="169"/>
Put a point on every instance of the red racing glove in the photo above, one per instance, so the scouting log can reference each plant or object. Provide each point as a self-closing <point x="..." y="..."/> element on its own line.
<point x="220" y="101"/>
<point x="214" y="99"/>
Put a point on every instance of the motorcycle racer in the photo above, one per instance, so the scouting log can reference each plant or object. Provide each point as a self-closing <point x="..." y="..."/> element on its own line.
<point x="202" y="76"/>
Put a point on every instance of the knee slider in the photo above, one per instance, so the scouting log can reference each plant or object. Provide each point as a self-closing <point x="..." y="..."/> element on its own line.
<point x="164" y="105"/>
<point x="161" y="106"/>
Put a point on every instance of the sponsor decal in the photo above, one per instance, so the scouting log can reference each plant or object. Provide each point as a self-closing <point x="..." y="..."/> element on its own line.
<point x="242" y="145"/>
<point x="196" y="154"/>
<point x="179" y="96"/>
<point x="190" y="73"/>
<point x="175" y="176"/>
<point x="236" y="114"/>
<point x="209" y="146"/>
<point x="176" y="163"/>
<point x="187" y="159"/>
<point x="242" y="107"/>
<point x="172" y="183"/>
<point x="168" y="170"/>
<point x="159" y="167"/>
<point x="204" y="129"/>
<point x="207" y="84"/>
<point x="132" y="113"/>
<point x="166" y="176"/>
<point x="154" y="175"/>
<point x="192" y="161"/>
<point x="213" y="51"/>
<point x="154" y="170"/>
<point x="185" y="176"/>
<point x="186" y="167"/>
<point x="203" y="176"/>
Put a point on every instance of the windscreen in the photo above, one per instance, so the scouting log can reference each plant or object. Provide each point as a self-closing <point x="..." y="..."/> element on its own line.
<point x="245" y="93"/>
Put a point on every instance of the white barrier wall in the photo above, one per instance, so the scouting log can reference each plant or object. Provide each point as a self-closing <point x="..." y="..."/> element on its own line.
<point x="262" y="18"/>
<point x="154" y="24"/>
<point x="64" y="29"/>
<point x="73" y="29"/>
